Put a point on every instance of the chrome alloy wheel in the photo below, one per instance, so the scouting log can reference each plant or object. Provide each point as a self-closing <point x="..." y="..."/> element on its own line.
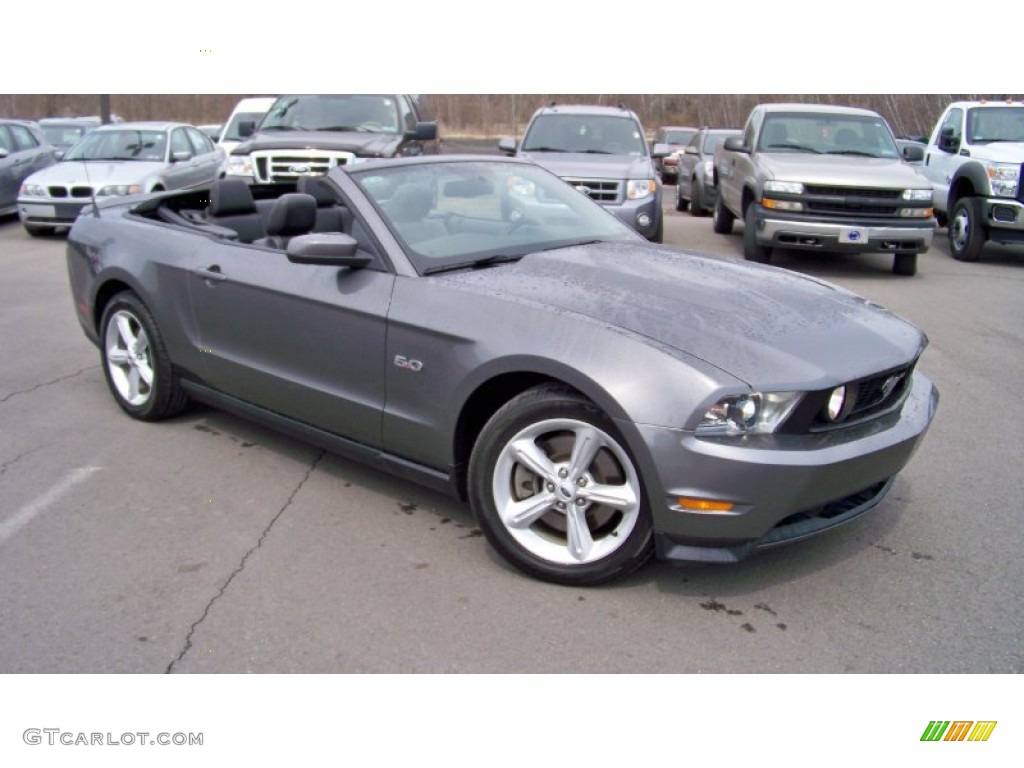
<point x="129" y="359"/>
<point x="566" y="491"/>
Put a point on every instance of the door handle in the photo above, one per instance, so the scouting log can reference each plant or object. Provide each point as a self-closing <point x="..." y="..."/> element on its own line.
<point x="212" y="274"/>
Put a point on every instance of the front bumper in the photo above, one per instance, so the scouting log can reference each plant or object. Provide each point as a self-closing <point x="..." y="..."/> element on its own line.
<point x="783" y="488"/>
<point x="1004" y="217"/>
<point x="49" y="212"/>
<point x="866" y="236"/>
<point x="634" y="212"/>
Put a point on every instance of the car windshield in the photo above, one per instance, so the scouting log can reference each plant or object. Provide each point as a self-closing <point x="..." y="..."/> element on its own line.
<point x="713" y="138"/>
<point x="63" y="135"/>
<point x="828" y="134"/>
<point x="121" y="144"/>
<point x="376" y="114"/>
<point x="450" y="215"/>
<point x="989" y="124"/>
<point x="678" y="137"/>
<point x="598" y="134"/>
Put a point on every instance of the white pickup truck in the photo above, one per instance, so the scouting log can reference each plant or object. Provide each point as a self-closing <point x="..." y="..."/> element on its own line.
<point x="974" y="159"/>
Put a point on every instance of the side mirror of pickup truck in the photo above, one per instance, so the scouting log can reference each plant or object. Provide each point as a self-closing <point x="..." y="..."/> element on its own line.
<point x="948" y="142"/>
<point x="913" y="153"/>
<point x="735" y="144"/>
<point x="246" y="128"/>
<point x="422" y="132"/>
<point x="507" y="145"/>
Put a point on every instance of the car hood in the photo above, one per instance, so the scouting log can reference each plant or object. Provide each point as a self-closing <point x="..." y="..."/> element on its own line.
<point x="96" y="173"/>
<point x="999" y="152"/>
<point x="576" y="165"/>
<point x="840" y="170"/>
<point x="359" y="143"/>
<point x="766" y="326"/>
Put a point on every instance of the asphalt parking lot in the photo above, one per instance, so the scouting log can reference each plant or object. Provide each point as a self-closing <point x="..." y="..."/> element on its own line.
<point x="208" y="544"/>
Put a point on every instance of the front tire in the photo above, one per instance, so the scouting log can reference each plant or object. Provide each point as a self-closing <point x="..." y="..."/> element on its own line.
<point x="681" y="204"/>
<point x="967" y="234"/>
<point x="36" y="231"/>
<point x="721" y="218"/>
<point x="696" y="200"/>
<point x="135" y="361"/>
<point x="753" y="250"/>
<point x="555" y="491"/>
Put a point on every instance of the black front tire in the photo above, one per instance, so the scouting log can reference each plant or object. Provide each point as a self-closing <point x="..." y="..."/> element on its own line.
<point x="681" y="203"/>
<point x="722" y="218"/>
<point x="531" y="475"/>
<point x="967" y="233"/>
<point x="135" y="361"/>
<point x="35" y="231"/>
<point x="753" y="250"/>
<point x="696" y="200"/>
<point x="905" y="264"/>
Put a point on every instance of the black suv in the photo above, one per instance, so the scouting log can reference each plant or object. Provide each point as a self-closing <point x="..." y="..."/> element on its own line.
<point x="603" y="152"/>
<point x="306" y="135"/>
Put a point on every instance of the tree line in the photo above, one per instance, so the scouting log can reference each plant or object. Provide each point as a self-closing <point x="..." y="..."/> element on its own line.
<point x="494" y="115"/>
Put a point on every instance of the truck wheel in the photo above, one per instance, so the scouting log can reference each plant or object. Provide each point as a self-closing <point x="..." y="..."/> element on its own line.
<point x="753" y="250"/>
<point x="722" y="218"/>
<point x="905" y="264"/>
<point x="681" y="204"/>
<point x="967" y="234"/>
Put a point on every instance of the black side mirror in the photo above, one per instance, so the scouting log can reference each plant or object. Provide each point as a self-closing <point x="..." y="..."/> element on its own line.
<point x="246" y="128"/>
<point x="948" y="141"/>
<point x="422" y="132"/>
<point x="913" y="153"/>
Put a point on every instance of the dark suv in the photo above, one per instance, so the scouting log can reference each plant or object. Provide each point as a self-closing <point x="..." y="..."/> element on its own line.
<point x="23" y="151"/>
<point x="603" y="152"/>
<point x="304" y="135"/>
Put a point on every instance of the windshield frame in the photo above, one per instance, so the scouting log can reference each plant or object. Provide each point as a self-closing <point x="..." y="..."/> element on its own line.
<point x="818" y="133"/>
<point x="582" y="133"/>
<point x="88" y="147"/>
<point x="296" y="113"/>
<point x="973" y="118"/>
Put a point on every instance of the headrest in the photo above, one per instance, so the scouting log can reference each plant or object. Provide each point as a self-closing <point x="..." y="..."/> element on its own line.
<point x="411" y="202"/>
<point x="292" y="214"/>
<point x="230" y="197"/>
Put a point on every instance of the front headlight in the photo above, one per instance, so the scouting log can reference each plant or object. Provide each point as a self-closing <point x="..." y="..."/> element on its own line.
<point x="638" y="189"/>
<point x="918" y="195"/>
<point x="119" y="189"/>
<point x="756" y="413"/>
<point x="784" y="187"/>
<point x="32" y="190"/>
<point x="1004" y="178"/>
<point x="239" y="165"/>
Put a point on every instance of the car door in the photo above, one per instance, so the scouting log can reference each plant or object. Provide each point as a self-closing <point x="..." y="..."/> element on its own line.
<point x="305" y="341"/>
<point x="207" y="156"/>
<point x="9" y="163"/>
<point x="181" y="169"/>
<point x="941" y="158"/>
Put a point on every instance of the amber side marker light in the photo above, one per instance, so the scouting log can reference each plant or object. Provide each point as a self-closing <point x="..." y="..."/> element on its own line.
<point x="704" y="505"/>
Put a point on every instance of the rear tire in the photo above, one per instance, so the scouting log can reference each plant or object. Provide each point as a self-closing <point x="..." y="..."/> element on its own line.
<point x="681" y="204"/>
<point x="753" y="250"/>
<point x="135" y="361"/>
<point x="721" y="218"/>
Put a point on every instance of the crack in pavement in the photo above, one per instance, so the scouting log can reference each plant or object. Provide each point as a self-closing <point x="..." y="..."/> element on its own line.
<point x="9" y="395"/>
<point x="241" y="565"/>
<point x="16" y="459"/>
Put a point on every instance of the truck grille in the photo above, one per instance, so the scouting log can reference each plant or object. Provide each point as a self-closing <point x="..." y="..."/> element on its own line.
<point x="854" y="201"/>
<point x="599" y="190"/>
<point x="289" y="165"/>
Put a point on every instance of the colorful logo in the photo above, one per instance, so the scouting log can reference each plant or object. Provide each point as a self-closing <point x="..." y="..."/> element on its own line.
<point x="958" y="730"/>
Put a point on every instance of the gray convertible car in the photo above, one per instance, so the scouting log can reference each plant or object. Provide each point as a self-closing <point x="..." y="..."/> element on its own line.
<point x="481" y="326"/>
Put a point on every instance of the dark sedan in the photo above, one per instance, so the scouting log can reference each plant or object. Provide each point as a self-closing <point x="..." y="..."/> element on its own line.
<point x="696" y="186"/>
<point x="480" y="326"/>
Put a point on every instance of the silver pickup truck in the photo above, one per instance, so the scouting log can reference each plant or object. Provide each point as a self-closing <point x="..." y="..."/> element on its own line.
<point x="823" y="178"/>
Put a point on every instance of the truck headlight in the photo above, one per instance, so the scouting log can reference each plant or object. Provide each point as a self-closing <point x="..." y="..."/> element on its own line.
<point x="784" y="187"/>
<point x="1004" y="178"/>
<point x="239" y="165"/>
<point x="638" y="189"/>
<point x="918" y="195"/>
<point x="755" y="413"/>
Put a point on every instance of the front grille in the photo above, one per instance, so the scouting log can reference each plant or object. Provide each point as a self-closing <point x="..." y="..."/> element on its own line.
<point x="873" y="396"/>
<point x="287" y="166"/>
<point x="599" y="190"/>
<point x="61" y="192"/>
<point x="853" y="201"/>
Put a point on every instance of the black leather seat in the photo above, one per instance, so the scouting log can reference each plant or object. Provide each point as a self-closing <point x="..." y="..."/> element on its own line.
<point x="232" y="206"/>
<point x="409" y="209"/>
<point x="330" y="215"/>
<point x="292" y="215"/>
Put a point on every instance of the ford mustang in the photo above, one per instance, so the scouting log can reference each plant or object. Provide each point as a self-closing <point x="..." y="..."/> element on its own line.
<point x="480" y="326"/>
